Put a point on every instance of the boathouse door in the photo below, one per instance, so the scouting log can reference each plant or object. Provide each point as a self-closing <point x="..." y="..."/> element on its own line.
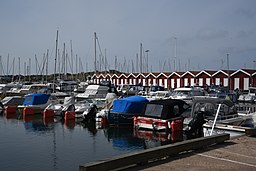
<point x="208" y="81"/>
<point x="192" y="81"/>
<point x="201" y="82"/>
<point x="236" y="83"/>
<point x="217" y="81"/>
<point x="225" y="82"/>
<point x="178" y="83"/>
<point x="172" y="83"/>
<point x="185" y="82"/>
<point x="246" y="83"/>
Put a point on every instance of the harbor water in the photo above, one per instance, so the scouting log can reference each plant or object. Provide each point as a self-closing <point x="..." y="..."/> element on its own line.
<point x="35" y="143"/>
<point x="38" y="144"/>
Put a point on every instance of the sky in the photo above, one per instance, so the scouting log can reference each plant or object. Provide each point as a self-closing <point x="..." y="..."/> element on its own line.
<point x="179" y="35"/>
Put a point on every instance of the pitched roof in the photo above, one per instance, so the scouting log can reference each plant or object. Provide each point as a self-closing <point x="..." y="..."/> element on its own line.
<point x="248" y="72"/>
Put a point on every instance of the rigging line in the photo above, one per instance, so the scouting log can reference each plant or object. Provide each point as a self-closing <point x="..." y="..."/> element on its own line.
<point x="2" y="65"/>
<point x="11" y="67"/>
<point x="44" y="61"/>
<point x="99" y="47"/>
<point x="69" y="64"/>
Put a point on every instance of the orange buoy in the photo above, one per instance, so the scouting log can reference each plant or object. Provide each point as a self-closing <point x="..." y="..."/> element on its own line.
<point x="70" y="124"/>
<point x="10" y="109"/>
<point x="104" y="120"/>
<point x="70" y="115"/>
<point x="177" y="125"/>
<point x="28" y="118"/>
<point x="176" y="136"/>
<point x="10" y="115"/>
<point x="48" y="113"/>
<point x="48" y="120"/>
<point x="28" y="111"/>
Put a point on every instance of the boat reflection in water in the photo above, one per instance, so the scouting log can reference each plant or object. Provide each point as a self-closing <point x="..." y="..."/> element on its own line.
<point x="37" y="124"/>
<point x="51" y="143"/>
<point x="123" y="139"/>
<point x="154" y="138"/>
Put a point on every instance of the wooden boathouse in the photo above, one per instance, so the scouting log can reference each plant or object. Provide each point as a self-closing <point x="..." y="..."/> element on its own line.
<point x="236" y="79"/>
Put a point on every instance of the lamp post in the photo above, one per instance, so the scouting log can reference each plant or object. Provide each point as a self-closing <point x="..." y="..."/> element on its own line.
<point x="147" y="59"/>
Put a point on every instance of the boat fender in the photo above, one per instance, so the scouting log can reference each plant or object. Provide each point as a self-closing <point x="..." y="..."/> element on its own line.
<point x="10" y="109"/>
<point x="28" y="111"/>
<point x="70" y="115"/>
<point x="48" y="113"/>
<point x="176" y="125"/>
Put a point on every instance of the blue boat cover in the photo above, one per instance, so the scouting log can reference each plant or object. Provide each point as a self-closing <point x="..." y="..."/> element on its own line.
<point x="132" y="104"/>
<point x="36" y="99"/>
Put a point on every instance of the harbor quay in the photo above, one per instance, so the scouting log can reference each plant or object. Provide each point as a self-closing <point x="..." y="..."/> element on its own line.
<point x="219" y="152"/>
<point x="235" y="154"/>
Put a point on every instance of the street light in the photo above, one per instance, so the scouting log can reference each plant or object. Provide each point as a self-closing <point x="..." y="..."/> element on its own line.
<point x="147" y="59"/>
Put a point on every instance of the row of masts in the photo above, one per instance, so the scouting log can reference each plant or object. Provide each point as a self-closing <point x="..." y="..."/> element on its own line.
<point x="64" y="61"/>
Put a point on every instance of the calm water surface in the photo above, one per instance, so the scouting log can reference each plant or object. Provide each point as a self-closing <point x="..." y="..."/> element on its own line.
<point x="35" y="144"/>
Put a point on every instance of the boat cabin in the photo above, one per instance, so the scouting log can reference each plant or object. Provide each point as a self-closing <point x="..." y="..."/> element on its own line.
<point x="162" y="115"/>
<point x="13" y="101"/>
<point x="26" y="89"/>
<point x="209" y="106"/>
<point x="94" y="91"/>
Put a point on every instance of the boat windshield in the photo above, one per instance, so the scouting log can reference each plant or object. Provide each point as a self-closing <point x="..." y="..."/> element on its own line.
<point x="154" y="110"/>
<point x="182" y="93"/>
<point x="252" y="90"/>
<point x="6" y="99"/>
<point x="210" y="109"/>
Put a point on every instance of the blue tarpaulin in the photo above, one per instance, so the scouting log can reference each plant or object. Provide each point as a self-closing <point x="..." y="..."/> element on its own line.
<point x="133" y="104"/>
<point x="36" y="99"/>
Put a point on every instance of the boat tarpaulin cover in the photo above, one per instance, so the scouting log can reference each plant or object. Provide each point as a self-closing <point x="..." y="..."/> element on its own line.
<point x="133" y="104"/>
<point x="36" y="99"/>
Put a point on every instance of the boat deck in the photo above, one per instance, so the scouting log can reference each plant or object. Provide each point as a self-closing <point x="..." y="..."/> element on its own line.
<point x="235" y="154"/>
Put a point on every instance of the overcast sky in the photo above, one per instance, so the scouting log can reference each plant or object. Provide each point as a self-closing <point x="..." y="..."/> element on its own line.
<point x="200" y="33"/>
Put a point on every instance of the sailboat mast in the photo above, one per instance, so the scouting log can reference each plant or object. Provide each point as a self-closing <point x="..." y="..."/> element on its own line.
<point x="46" y="69"/>
<point x="95" y="53"/>
<point x="55" y="60"/>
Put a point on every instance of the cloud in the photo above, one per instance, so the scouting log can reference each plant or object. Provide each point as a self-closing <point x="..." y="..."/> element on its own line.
<point x="236" y="50"/>
<point x="246" y="33"/>
<point x="247" y="13"/>
<point x="210" y="34"/>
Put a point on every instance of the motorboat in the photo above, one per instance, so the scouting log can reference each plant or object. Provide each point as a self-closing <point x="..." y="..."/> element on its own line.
<point x="124" y="109"/>
<point x="159" y="95"/>
<point x="12" y="101"/>
<point x="162" y="115"/>
<point x="38" y="101"/>
<point x="85" y="104"/>
<point x="66" y="86"/>
<point x="59" y="108"/>
<point x="129" y="90"/>
<point x="27" y="89"/>
<point x="187" y="93"/>
<point x="211" y="111"/>
<point x="249" y="97"/>
<point x="94" y="91"/>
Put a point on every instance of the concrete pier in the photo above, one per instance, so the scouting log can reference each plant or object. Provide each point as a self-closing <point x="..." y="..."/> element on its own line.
<point x="157" y="153"/>
<point x="236" y="155"/>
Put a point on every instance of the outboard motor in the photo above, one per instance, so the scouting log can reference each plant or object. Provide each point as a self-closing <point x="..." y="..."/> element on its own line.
<point x="91" y="113"/>
<point x="195" y="126"/>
